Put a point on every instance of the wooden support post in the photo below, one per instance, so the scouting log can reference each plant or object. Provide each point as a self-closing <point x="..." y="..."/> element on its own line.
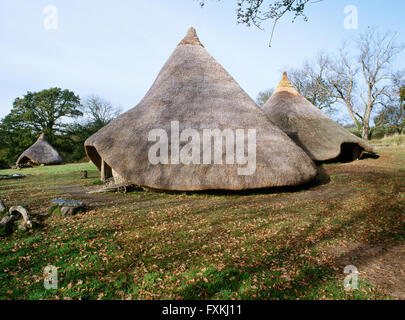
<point x="83" y="174"/>
<point x="106" y="171"/>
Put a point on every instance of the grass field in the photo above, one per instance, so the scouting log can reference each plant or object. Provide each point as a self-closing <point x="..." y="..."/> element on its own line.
<point x="142" y="245"/>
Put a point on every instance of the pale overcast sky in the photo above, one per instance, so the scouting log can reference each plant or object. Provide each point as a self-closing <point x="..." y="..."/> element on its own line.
<point x="115" y="49"/>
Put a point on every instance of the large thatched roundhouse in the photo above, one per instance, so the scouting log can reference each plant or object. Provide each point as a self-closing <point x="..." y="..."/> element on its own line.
<point x="41" y="152"/>
<point x="194" y="91"/>
<point x="322" y="138"/>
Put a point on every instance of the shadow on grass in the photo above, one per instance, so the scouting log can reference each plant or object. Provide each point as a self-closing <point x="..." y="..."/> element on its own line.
<point x="313" y="274"/>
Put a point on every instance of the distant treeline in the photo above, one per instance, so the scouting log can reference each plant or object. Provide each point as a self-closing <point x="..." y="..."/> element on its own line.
<point x="377" y="132"/>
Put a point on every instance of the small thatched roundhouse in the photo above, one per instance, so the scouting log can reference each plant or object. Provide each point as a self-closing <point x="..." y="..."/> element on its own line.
<point x="41" y="152"/>
<point x="319" y="136"/>
<point x="194" y="91"/>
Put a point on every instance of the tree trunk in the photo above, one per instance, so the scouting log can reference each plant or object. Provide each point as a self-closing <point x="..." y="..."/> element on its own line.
<point x="352" y="115"/>
<point x="365" y="131"/>
<point x="83" y="174"/>
<point x="366" y="119"/>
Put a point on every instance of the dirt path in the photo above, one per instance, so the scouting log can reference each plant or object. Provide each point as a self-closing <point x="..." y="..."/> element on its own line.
<point x="110" y="199"/>
<point x="77" y="192"/>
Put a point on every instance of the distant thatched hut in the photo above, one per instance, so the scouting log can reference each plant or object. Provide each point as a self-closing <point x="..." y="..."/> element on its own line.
<point x="321" y="137"/>
<point x="41" y="152"/>
<point x="194" y="91"/>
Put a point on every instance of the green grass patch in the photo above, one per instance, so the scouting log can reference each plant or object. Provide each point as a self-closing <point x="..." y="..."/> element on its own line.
<point x="145" y="245"/>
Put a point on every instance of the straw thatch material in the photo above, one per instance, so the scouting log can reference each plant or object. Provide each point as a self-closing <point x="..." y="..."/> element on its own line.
<point x="41" y="152"/>
<point x="321" y="137"/>
<point x="195" y="90"/>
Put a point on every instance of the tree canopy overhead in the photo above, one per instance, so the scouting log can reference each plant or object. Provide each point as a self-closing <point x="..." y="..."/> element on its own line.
<point x="255" y="12"/>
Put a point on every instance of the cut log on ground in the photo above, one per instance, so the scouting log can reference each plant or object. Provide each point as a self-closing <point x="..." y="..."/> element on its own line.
<point x="17" y="212"/>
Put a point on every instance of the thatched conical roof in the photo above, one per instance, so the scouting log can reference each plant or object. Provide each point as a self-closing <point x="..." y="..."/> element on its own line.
<point x="321" y="137"/>
<point x="195" y="90"/>
<point x="41" y="152"/>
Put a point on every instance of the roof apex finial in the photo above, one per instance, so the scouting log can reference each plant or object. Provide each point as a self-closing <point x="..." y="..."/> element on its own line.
<point x="285" y="84"/>
<point x="42" y="137"/>
<point x="191" y="38"/>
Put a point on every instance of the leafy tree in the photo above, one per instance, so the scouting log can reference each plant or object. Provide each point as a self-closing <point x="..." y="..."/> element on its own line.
<point x="14" y="139"/>
<point x="45" y="111"/>
<point x="48" y="111"/>
<point x="263" y="96"/>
